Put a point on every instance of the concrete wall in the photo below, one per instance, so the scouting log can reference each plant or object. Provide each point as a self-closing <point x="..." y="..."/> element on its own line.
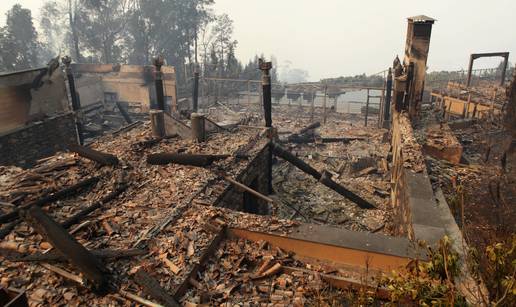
<point x="25" y="145"/>
<point x="416" y="211"/>
<point x="131" y="83"/>
<point x="90" y="89"/>
<point x="254" y="176"/>
<point x="21" y="102"/>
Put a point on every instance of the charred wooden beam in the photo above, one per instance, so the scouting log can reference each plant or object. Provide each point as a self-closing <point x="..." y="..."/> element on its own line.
<point x="100" y="253"/>
<point x="327" y="181"/>
<point x="76" y="218"/>
<point x="286" y="155"/>
<point x="124" y="112"/>
<point x="127" y="128"/>
<point x="73" y="189"/>
<point x="95" y="155"/>
<point x="152" y="288"/>
<point x="312" y="126"/>
<point x="4" y="231"/>
<point x="207" y="253"/>
<point x="306" y="139"/>
<point x="342" y="139"/>
<point x="94" y="271"/>
<point x="323" y="178"/>
<point x="11" y="297"/>
<point x="183" y="159"/>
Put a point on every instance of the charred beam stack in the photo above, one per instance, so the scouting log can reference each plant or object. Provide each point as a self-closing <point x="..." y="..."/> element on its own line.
<point x="324" y="178"/>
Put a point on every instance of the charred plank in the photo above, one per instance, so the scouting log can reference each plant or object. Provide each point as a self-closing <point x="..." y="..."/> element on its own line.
<point x="49" y="198"/>
<point x="73" y="189"/>
<point x="312" y="126"/>
<point x="206" y="255"/>
<point x="95" y="155"/>
<point x="100" y="253"/>
<point x="152" y="288"/>
<point x="94" y="271"/>
<point x="184" y="159"/>
<point x="124" y="112"/>
<point x="76" y="218"/>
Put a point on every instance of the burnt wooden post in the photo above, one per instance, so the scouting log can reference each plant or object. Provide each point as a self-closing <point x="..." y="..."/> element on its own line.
<point x="312" y="106"/>
<point x="409" y="103"/>
<point x="76" y="104"/>
<point x="63" y="242"/>
<point x="387" y="102"/>
<point x="324" y="103"/>
<point x="195" y="95"/>
<point x="160" y="96"/>
<point x="399" y="85"/>
<point x="366" y="108"/>
<point x="265" y="67"/>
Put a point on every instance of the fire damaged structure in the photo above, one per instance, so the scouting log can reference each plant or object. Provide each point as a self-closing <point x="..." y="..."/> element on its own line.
<point x="125" y="200"/>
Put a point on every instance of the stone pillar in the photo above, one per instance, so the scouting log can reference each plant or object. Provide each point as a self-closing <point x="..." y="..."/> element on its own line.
<point x="157" y="118"/>
<point x="419" y="30"/>
<point x="198" y="128"/>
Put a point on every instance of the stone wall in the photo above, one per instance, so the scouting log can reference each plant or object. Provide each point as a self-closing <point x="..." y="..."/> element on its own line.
<point x="255" y="176"/>
<point x="416" y="211"/>
<point x="25" y="145"/>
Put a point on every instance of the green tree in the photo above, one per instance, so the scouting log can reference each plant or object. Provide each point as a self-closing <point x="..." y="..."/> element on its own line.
<point x="103" y="24"/>
<point x="19" y="47"/>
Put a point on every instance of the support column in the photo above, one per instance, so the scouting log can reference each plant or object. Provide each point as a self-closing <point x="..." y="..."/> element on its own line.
<point x="324" y="104"/>
<point x="160" y="97"/>
<point x="76" y="103"/>
<point x="504" y="68"/>
<point x="248" y="92"/>
<point x="366" y="108"/>
<point x="195" y="95"/>
<point x="470" y="69"/>
<point x="265" y="67"/>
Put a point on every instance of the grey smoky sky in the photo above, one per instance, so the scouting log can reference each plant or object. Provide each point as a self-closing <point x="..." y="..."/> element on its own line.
<point x="331" y="38"/>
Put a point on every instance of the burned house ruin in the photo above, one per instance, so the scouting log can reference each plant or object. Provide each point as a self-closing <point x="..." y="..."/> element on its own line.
<point x="112" y="196"/>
